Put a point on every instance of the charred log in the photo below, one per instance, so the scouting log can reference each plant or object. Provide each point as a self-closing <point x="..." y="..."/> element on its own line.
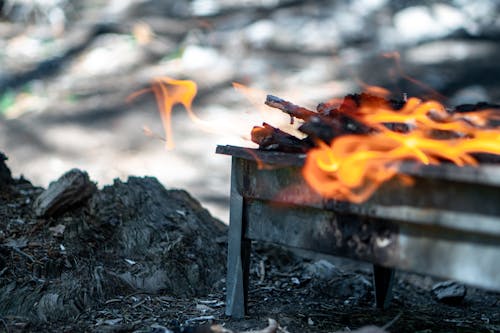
<point x="271" y="138"/>
<point x="293" y="110"/>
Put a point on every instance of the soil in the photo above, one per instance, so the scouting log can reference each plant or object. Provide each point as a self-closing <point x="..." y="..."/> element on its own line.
<point x="136" y="257"/>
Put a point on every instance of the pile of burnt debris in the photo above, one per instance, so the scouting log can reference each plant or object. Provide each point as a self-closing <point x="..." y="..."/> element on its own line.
<point x="333" y="119"/>
<point x="136" y="257"/>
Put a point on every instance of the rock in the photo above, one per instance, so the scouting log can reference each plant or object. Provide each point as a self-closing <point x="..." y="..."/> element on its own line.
<point x="74" y="187"/>
<point x="449" y="292"/>
<point x="323" y="269"/>
<point x="329" y="280"/>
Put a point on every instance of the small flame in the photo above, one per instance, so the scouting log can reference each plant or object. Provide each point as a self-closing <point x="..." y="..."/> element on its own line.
<point x="352" y="167"/>
<point x="168" y="93"/>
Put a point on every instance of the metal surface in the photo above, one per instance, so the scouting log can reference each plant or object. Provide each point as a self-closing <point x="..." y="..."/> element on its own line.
<point x="383" y="279"/>
<point x="238" y="255"/>
<point x="447" y="224"/>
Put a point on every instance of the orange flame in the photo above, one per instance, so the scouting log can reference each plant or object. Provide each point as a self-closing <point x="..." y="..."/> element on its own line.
<point x="352" y="167"/>
<point x="169" y="92"/>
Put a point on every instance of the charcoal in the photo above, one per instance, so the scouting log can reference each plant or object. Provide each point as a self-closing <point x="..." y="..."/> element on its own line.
<point x="271" y="138"/>
<point x="290" y="108"/>
<point x="319" y="130"/>
<point x="356" y="100"/>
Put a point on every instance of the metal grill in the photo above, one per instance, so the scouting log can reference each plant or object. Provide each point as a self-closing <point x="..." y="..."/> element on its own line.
<point x="447" y="224"/>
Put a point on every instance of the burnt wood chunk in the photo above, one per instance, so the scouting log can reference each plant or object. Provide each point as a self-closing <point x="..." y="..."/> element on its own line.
<point x="326" y="124"/>
<point x="271" y="138"/>
<point x="72" y="188"/>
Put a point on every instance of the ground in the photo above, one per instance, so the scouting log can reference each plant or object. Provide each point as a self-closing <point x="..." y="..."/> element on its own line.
<point x="100" y="266"/>
<point x="66" y="72"/>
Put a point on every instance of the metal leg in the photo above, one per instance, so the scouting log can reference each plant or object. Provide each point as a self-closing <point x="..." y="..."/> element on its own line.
<point x="383" y="279"/>
<point x="246" y="247"/>
<point x="238" y="255"/>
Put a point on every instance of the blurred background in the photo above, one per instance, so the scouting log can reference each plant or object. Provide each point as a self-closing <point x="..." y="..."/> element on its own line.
<point x="67" y="67"/>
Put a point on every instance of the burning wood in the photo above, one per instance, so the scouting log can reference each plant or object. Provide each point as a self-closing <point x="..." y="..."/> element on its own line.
<point x="325" y="124"/>
<point x="271" y="138"/>
<point x="356" y="146"/>
<point x="287" y="107"/>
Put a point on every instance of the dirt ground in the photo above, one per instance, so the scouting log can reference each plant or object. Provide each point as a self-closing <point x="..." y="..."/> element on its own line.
<point x="124" y="285"/>
<point x="65" y="74"/>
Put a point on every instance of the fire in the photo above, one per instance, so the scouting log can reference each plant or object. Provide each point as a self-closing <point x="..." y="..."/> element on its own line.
<point x="352" y="167"/>
<point x="168" y="93"/>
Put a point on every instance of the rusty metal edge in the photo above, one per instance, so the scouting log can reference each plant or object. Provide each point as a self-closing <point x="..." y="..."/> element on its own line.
<point x="486" y="174"/>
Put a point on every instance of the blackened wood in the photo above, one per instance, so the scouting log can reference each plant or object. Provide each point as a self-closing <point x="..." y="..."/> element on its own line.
<point x="271" y="138"/>
<point x="329" y="122"/>
<point x="290" y="108"/>
<point x="267" y="157"/>
<point x="74" y="187"/>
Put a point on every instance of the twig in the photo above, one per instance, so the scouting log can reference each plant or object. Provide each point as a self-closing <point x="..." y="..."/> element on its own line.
<point x="200" y="318"/>
<point x="390" y="323"/>
<point x="19" y="251"/>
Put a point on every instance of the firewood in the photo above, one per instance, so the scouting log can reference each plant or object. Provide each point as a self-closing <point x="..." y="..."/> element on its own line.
<point x="329" y="122"/>
<point x="271" y="138"/>
<point x="290" y="108"/>
<point x="72" y="188"/>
